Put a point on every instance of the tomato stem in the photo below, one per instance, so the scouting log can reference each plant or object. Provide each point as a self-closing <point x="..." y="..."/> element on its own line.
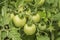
<point x="21" y="16"/>
<point x="52" y="36"/>
<point x="29" y="23"/>
<point x="0" y="34"/>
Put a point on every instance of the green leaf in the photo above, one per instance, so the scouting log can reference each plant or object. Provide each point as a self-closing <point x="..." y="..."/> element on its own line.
<point x="42" y="14"/>
<point x="3" y="34"/>
<point x="58" y="34"/>
<point x="14" y="34"/>
<point x="59" y="3"/>
<point x="5" y="16"/>
<point x="39" y="2"/>
<point x="19" y="2"/>
<point x="4" y="11"/>
<point x="42" y="37"/>
<point x="50" y="1"/>
<point x="56" y="17"/>
<point x="58" y="38"/>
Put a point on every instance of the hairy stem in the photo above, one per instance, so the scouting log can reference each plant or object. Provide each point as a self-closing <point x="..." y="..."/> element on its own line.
<point x="52" y="36"/>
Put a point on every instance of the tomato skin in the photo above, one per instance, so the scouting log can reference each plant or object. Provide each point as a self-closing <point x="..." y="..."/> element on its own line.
<point x="42" y="27"/>
<point x="36" y="18"/>
<point x="29" y="30"/>
<point x="18" y="21"/>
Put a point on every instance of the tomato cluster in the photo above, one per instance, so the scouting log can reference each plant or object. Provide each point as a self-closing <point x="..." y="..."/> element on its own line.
<point x="30" y="20"/>
<point x="21" y="22"/>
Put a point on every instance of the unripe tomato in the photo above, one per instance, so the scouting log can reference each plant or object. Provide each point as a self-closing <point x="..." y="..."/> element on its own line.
<point x="29" y="30"/>
<point x="36" y="18"/>
<point x="19" y="21"/>
<point x="42" y="26"/>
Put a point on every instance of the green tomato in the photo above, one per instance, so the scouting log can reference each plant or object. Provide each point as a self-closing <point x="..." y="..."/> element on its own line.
<point x="36" y="18"/>
<point x="18" y="21"/>
<point x="42" y="26"/>
<point x="29" y="30"/>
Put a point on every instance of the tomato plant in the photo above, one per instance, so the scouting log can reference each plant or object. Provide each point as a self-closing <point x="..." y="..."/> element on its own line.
<point x="29" y="19"/>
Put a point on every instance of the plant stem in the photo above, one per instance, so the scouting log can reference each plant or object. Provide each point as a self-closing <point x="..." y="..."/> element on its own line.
<point x="52" y="36"/>
<point x="0" y="34"/>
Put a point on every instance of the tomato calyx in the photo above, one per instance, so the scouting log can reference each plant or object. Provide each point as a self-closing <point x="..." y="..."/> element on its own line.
<point x="21" y="16"/>
<point x="30" y="22"/>
<point x="34" y="13"/>
<point x="51" y="28"/>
